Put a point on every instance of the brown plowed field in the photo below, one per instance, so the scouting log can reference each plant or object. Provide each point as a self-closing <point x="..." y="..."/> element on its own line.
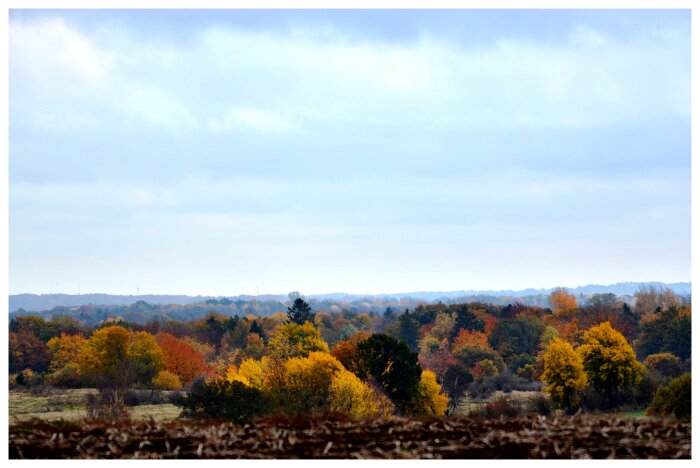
<point x="339" y="437"/>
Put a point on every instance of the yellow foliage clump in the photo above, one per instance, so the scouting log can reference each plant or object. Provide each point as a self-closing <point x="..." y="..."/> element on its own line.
<point x="608" y="360"/>
<point x="291" y="340"/>
<point x="349" y="395"/>
<point x="563" y="371"/>
<point x="166" y="380"/>
<point x="431" y="400"/>
<point x="249" y="373"/>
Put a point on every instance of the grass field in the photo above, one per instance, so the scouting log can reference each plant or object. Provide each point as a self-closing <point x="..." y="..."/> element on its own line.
<point x="69" y="405"/>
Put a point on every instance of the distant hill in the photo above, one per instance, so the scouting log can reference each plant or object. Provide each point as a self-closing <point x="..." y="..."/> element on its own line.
<point x="41" y="302"/>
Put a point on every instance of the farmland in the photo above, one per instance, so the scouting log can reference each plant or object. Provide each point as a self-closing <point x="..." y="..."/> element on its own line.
<point x="336" y="436"/>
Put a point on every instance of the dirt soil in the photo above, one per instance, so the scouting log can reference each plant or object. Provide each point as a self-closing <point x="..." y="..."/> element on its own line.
<point x="336" y="436"/>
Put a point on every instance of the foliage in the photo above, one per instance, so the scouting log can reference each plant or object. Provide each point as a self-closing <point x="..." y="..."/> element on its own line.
<point x="665" y="365"/>
<point x="108" y="405"/>
<point x="561" y="301"/>
<point x="455" y="383"/>
<point x="609" y="362"/>
<point x="666" y="331"/>
<point x="166" y="380"/>
<point x="300" y="312"/>
<point x="180" y="358"/>
<point x="484" y="368"/>
<point x="221" y="399"/>
<point x="255" y="346"/>
<point x="465" y="319"/>
<point x="146" y="356"/>
<point x="649" y="298"/>
<point x="564" y="374"/>
<point x="520" y="335"/>
<point x="673" y="399"/>
<point x="504" y="382"/>
<point x="346" y="351"/>
<point x="394" y="367"/>
<point x="430" y="400"/>
<point x="349" y="395"/>
<point x="104" y="358"/>
<point x="470" y="338"/>
<point x="27" y="351"/>
<point x="406" y="329"/>
<point x="250" y="373"/>
<point x="469" y="356"/>
<point x="64" y="352"/>
<point x="308" y="381"/>
<point x="292" y="340"/>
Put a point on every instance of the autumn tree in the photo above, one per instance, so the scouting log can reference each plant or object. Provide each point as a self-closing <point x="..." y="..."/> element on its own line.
<point x="180" y="358"/>
<point x="166" y="380"/>
<point x="430" y="400"/>
<point x="27" y="352"/>
<point x="564" y="374"/>
<point x="349" y="395"/>
<point x="465" y="319"/>
<point x="666" y="331"/>
<point x="561" y="301"/>
<point x="455" y="383"/>
<point x="104" y="358"/>
<point x="664" y="365"/>
<point x="649" y="298"/>
<point x="146" y="356"/>
<point x="64" y="352"/>
<point x="346" y="351"/>
<point x="293" y="340"/>
<point x="609" y="362"/>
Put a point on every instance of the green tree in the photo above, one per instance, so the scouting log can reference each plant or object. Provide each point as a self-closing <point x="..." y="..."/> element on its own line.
<point x="393" y="365"/>
<point x="673" y="399"/>
<point x="520" y="335"/>
<point x="610" y="364"/>
<point x="300" y="312"/>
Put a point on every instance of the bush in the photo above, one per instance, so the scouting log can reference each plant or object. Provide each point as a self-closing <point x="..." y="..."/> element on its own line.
<point x="29" y="378"/>
<point x="221" y="399"/>
<point x="541" y="404"/>
<point x="108" y="405"/>
<point x="166" y="380"/>
<point x="673" y="399"/>
<point x="505" y="382"/>
<point x="500" y="407"/>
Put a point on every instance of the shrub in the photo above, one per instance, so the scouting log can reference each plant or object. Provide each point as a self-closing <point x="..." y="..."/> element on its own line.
<point x="541" y="404"/>
<point x="665" y="365"/>
<point x="29" y="378"/>
<point x="221" y="399"/>
<point x="505" y="382"/>
<point x="108" y="405"/>
<point x="166" y="380"/>
<point x="673" y="399"/>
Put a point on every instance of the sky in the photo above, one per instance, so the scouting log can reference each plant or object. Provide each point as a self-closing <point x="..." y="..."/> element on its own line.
<point x="243" y="152"/>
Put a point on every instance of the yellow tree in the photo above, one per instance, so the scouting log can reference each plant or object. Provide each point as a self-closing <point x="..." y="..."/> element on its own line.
<point x="430" y="400"/>
<point x="292" y="340"/>
<point x="563" y="372"/>
<point x="609" y="362"/>
<point x="146" y="356"/>
<point x="64" y="351"/>
<point x="349" y="395"/>
<point x="105" y="356"/>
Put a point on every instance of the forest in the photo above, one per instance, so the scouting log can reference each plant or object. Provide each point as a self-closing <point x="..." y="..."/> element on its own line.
<point x="475" y="360"/>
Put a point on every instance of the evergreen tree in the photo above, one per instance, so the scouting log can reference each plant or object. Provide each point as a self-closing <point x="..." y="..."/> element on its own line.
<point x="300" y="312"/>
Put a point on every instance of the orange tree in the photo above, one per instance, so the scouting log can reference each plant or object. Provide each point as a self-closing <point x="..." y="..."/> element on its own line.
<point x="610" y="364"/>
<point x="563" y="372"/>
<point x="180" y="358"/>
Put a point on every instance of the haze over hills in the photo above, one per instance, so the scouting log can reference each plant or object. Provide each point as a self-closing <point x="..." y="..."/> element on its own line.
<point x="40" y="302"/>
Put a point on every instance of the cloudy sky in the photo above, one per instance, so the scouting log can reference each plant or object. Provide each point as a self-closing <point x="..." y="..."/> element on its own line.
<point x="367" y="151"/>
